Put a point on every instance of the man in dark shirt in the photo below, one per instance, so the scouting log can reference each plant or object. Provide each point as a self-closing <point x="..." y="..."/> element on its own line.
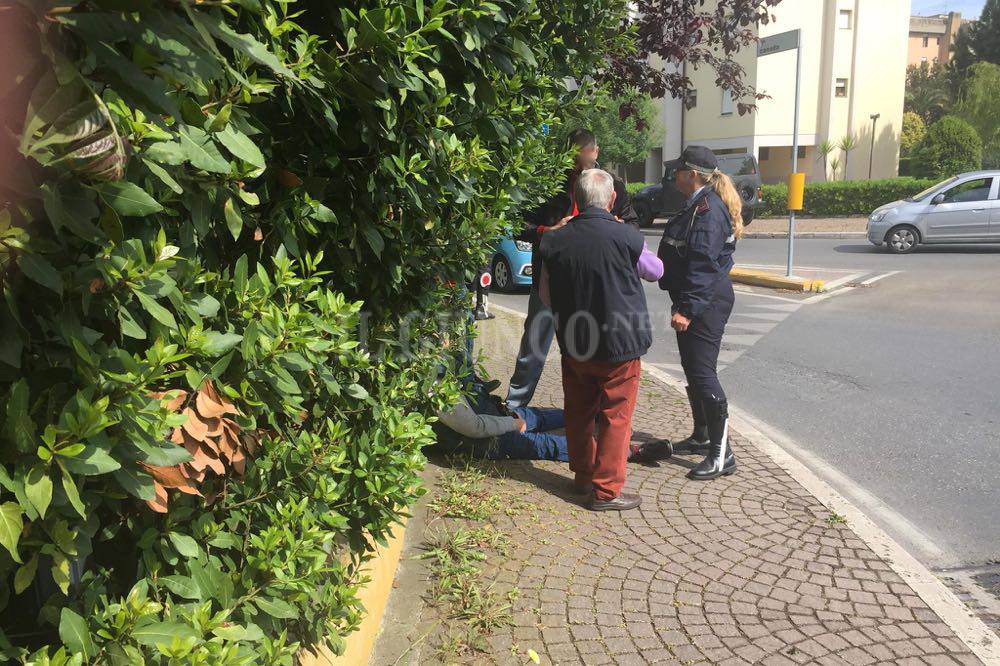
<point x="591" y="282"/>
<point x="538" y="326"/>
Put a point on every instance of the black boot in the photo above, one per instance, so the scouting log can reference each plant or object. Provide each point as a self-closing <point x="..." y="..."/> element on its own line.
<point x="697" y="443"/>
<point x="720" y="460"/>
<point x="662" y="449"/>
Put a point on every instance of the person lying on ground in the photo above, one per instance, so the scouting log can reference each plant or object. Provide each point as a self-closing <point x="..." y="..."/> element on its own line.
<point x="479" y="427"/>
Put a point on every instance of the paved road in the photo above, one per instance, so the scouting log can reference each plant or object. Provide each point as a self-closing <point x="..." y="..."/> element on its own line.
<point x="890" y="390"/>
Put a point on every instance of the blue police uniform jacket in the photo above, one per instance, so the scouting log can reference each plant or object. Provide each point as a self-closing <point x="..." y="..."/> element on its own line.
<point x="697" y="252"/>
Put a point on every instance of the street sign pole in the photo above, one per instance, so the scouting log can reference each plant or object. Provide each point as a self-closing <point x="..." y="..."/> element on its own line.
<point x="780" y="43"/>
<point x="795" y="151"/>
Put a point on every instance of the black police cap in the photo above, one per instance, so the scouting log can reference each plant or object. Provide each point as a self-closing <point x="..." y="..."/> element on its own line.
<point x="697" y="158"/>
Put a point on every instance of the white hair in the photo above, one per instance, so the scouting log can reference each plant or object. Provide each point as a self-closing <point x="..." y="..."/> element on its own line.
<point x="594" y="187"/>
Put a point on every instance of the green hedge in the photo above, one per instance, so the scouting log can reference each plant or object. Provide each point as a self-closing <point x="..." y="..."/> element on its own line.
<point x="843" y="198"/>
<point x="633" y="188"/>
<point x="232" y="266"/>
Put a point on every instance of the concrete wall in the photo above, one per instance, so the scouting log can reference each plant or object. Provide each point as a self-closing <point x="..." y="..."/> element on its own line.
<point x="671" y="120"/>
<point x="918" y="53"/>
<point x="883" y="32"/>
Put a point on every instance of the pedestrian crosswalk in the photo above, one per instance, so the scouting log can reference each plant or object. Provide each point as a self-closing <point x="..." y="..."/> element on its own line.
<point x="753" y="319"/>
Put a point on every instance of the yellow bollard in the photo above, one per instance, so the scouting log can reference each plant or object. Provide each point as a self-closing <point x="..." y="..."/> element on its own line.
<point x="796" y="190"/>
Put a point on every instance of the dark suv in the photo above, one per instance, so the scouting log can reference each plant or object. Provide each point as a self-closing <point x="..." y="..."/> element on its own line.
<point x="664" y="200"/>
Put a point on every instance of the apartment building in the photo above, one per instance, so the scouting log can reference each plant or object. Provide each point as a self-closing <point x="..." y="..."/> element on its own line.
<point x="931" y="37"/>
<point x="854" y="55"/>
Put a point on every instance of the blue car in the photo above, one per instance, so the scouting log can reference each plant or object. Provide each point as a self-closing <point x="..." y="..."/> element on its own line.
<point x="511" y="264"/>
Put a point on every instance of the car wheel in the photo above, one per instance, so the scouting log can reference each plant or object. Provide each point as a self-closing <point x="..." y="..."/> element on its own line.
<point x="902" y="239"/>
<point x="503" y="276"/>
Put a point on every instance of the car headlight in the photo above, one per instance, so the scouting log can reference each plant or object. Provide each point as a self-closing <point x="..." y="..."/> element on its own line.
<point x="523" y="246"/>
<point x="878" y="216"/>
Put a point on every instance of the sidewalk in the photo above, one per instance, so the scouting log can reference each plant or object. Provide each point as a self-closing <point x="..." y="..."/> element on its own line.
<point x="834" y="227"/>
<point x="747" y="569"/>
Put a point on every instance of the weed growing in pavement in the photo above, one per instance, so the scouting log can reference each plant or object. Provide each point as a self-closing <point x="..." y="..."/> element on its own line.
<point x="835" y="519"/>
<point x="461" y="495"/>
<point x="456" y="563"/>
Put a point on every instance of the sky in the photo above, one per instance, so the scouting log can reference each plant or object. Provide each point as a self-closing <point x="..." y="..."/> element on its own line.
<point x="969" y="8"/>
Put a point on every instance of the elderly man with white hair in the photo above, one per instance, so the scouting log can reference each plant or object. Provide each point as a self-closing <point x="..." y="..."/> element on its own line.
<point x="591" y="269"/>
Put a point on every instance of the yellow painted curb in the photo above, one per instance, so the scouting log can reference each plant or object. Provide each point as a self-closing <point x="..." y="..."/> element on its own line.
<point x="775" y="281"/>
<point x="375" y="595"/>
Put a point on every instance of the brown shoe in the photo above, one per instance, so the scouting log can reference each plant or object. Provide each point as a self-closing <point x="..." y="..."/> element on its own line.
<point x="623" y="502"/>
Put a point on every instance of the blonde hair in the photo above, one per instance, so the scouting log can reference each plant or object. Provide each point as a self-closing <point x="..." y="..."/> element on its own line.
<point x="724" y="187"/>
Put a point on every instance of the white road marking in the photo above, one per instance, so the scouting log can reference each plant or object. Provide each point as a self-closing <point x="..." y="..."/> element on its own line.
<point x="767" y="316"/>
<point x="756" y="327"/>
<point x="871" y="281"/>
<point x="834" y="284"/>
<point x="754" y="294"/>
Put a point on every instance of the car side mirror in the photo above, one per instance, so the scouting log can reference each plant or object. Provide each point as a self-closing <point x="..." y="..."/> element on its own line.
<point x="938" y="199"/>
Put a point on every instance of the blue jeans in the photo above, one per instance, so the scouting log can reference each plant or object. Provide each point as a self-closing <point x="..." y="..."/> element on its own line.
<point x="536" y="443"/>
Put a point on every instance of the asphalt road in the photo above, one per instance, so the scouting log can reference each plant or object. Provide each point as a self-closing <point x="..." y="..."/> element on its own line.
<point x="890" y="390"/>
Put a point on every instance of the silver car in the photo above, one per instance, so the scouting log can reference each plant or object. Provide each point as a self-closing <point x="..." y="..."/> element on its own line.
<point x="962" y="209"/>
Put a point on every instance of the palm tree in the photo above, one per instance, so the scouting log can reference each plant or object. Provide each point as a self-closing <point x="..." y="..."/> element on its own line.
<point x="834" y="165"/>
<point x="930" y="88"/>
<point x="825" y="149"/>
<point x="847" y="144"/>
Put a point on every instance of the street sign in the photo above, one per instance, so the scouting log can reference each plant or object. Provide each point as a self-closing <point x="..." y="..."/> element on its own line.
<point x="785" y="41"/>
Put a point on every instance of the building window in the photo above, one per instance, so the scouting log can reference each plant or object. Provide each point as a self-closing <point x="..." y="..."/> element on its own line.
<point x="727" y="102"/>
<point x="937" y="41"/>
<point x="802" y="152"/>
<point x="765" y="154"/>
<point x="844" y="19"/>
<point x="841" y="89"/>
<point x="927" y="41"/>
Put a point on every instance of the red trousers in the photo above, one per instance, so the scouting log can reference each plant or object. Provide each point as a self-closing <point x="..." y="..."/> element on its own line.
<point x="605" y="393"/>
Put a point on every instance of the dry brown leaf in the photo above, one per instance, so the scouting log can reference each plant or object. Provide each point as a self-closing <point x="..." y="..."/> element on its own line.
<point x="208" y="407"/>
<point x="214" y="426"/>
<point x="96" y="285"/>
<point x="175" y="402"/>
<point x="208" y="388"/>
<point x="200" y="460"/>
<point x="258" y="235"/>
<point x="250" y="442"/>
<point x="177" y="436"/>
<point x="194" y="425"/>
<point x="171" y="477"/>
<point x="288" y="179"/>
<point x="158" y="503"/>
<point x="190" y="490"/>
<point x="216" y="466"/>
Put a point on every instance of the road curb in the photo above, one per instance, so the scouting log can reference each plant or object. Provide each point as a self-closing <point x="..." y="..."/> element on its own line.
<point x="843" y="235"/>
<point x="953" y="612"/>
<point x="774" y="281"/>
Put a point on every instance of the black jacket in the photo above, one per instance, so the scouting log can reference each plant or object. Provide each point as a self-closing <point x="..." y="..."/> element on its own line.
<point x="697" y="251"/>
<point x="594" y="288"/>
<point x="561" y="205"/>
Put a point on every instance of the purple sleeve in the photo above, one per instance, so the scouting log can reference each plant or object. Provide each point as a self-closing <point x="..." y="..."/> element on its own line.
<point x="649" y="266"/>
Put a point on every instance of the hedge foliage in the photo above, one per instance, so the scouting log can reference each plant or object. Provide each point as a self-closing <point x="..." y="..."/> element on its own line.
<point x="633" y="188"/>
<point x="852" y="197"/>
<point x="951" y="146"/>
<point x="214" y="393"/>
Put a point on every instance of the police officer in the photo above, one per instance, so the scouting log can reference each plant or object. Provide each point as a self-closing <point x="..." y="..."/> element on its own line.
<point x="697" y="253"/>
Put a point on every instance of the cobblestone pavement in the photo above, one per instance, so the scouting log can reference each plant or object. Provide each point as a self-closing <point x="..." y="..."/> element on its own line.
<point x="746" y="569"/>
